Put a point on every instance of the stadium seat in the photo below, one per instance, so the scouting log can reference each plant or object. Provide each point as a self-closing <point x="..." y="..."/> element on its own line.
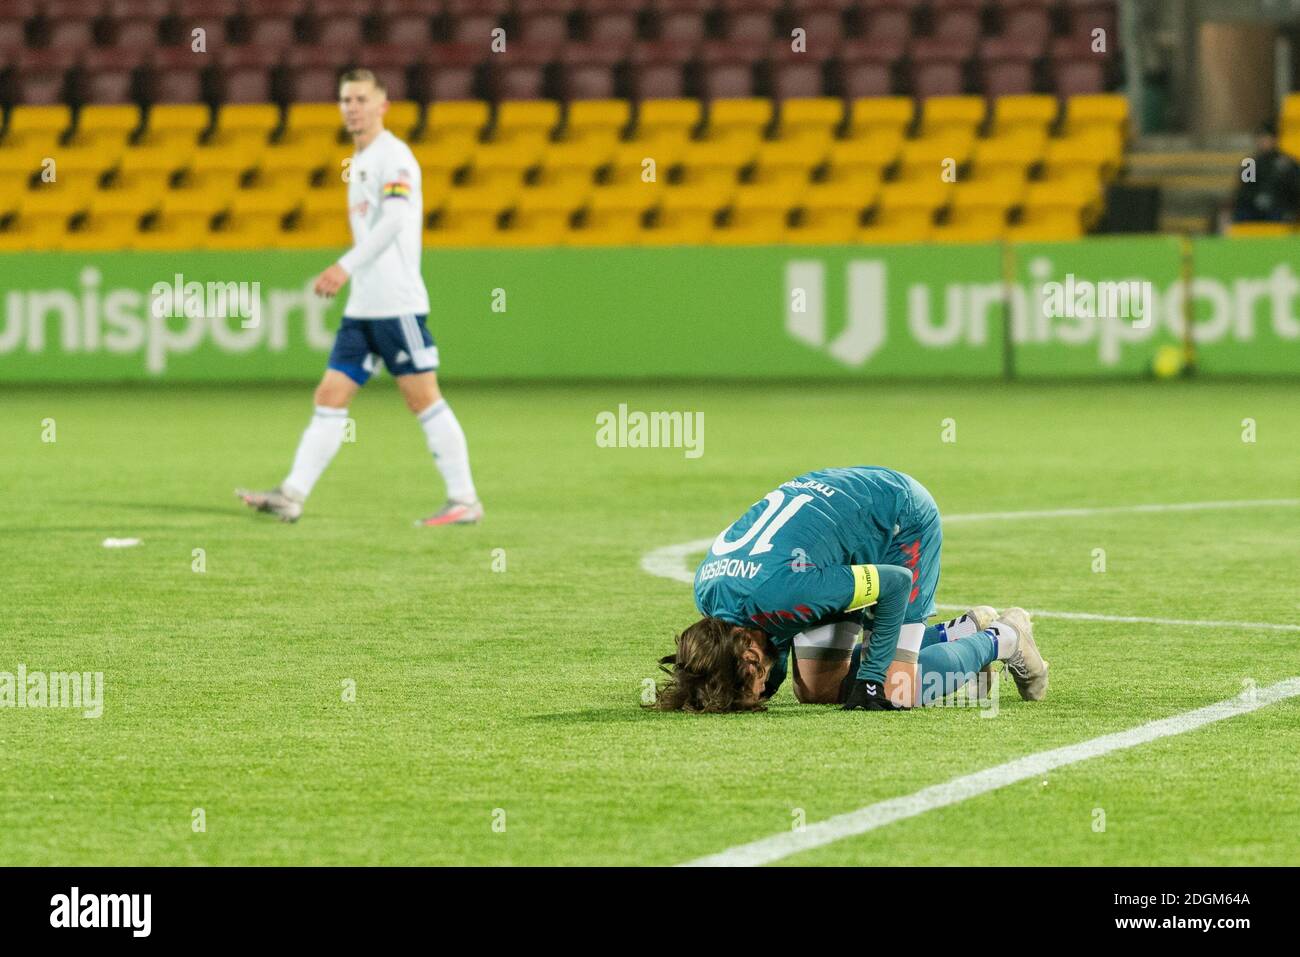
<point x="666" y="125"/>
<point x="1258" y="230"/>
<point x="614" y="215"/>
<point x="685" y="216"/>
<point x="904" y="212"/>
<point x="1106" y="111"/>
<point x="781" y="163"/>
<point x="541" y="217"/>
<point x="597" y="122"/>
<point x="715" y="164"/>
<point x="1033" y="111"/>
<point x="740" y="123"/>
<point x="758" y="215"/>
<point x="810" y="120"/>
<point x="941" y="115"/>
<point x="526" y="124"/>
<point x="975" y="215"/>
<point x="828" y="216"/>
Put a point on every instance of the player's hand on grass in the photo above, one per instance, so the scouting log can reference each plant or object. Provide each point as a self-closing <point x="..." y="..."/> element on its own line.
<point x="330" y="281"/>
<point x="867" y="695"/>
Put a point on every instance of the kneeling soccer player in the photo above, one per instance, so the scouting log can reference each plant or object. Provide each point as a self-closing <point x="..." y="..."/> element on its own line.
<point x="805" y="568"/>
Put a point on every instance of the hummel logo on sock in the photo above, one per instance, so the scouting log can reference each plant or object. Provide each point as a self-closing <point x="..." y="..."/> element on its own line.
<point x="871" y="689"/>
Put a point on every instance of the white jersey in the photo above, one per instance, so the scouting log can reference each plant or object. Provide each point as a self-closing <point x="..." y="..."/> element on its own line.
<point x="385" y="281"/>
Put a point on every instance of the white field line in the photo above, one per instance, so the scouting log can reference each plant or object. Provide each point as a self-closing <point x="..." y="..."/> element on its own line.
<point x="670" y="560"/>
<point x="873" y="816"/>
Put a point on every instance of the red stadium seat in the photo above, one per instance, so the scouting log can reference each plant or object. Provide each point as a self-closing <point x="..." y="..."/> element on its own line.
<point x="728" y="68"/>
<point x="796" y="74"/>
<point x="109" y="75"/>
<point x="1030" y="21"/>
<point x="448" y="72"/>
<point x="822" y="22"/>
<point x="136" y="33"/>
<point x="587" y="70"/>
<point x="1084" y="16"/>
<point x="658" y="70"/>
<point x="681" y="21"/>
<point x="474" y="20"/>
<point x="245" y="74"/>
<point x="750" y="21"/>
<point x="13" y="34"/>
<point x="1004" y="77"/>
<point x="313" y="73"/>
<point x="176" y="75"/>
<point x="519" y="72"/>
<point x="960" y="23"/>
<point x="338" y="30"/>
<point x="1071" y="77"/>
<point x="610" y="21"/>
<point x="42" y="75"/>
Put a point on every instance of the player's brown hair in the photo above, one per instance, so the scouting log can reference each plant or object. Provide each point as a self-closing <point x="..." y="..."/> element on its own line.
<point x="713" y="670"/>
<point x="362" y="75"/>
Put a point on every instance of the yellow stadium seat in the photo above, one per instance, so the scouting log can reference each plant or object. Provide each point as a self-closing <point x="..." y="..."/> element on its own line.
<point x="854" y="160"/>
<point x="468" y="217"/>
<point x="790" y="161"/>
<point x="18" y="163"/>
<point x="1014" y="151"/>
<point x="148" y="165"/>
<point x="741" y="121"/>
<point x="758" y="216"/>
<point x="247" y="229"/>
<point x="280" y="190"/>
<point x="1092" y="110"/>
<point x="310" y="128"/>
<point x="685" y="216"/>
<point x="634" y="162"/>
<point x="318" y="231"/>
<point x="526" y="122"/>
<point x="175" y="230"/>
<point x="1256" y="230"/>
<point x="104" y="131"/>
<point x="136" y="200"/>
<point x="827" y="216"/>
<point x="245" y="128"/>
<point x="177" y="118"/>
<point x="666" y="123"/>
<point x="574" y="164"/>
<point x="56" y="202"/>
<point x="941" y="115"/>
<point x="33" y="232"/>
<point x="502" y="166"/>
<point x="445" y="157"/>
<point x="207" y="197"/>
<point x="904" y="212"/>
<point x="1047" y="224"/>
<point x="1290" y="113"/>
<point x="870" y="114"/>
<point x="613" y="215"/>
<point x="324" y="202"/>
<point x="597" y="122"/>
<point x="715" y="162"/>
<point x="455" y="121"/>
<point x="975" y="215"/>
<point x="403" y="117"/>
<point x="36" y="127"/>
<point x="854" y="195"/>
<point x="1098" y="148"/>
<point x="1024" y="111"/>
<point x="541" y="216"/>
<point x="104" y="231"/>
<point x="811" y="120"/>
<point x="936" y="157"/>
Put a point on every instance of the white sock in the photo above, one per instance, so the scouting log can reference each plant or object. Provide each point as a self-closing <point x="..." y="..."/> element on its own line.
<point x="319" y="443"/>
<point x="1008" y="639"/>
<point x="450" y="452"/>
<point x="958" y="628"/>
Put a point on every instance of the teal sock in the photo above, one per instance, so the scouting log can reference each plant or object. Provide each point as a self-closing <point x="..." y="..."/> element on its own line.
<point x="957" y="661"/>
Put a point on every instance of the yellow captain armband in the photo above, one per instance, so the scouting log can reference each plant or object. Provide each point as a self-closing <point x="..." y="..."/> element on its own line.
<point x="866" y="586"/>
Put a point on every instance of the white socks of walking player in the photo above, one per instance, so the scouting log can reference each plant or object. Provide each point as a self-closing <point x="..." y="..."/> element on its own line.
<point x="450" y="452"/>
<point x="319" y="444"/>
<point x="1008" y="639"/>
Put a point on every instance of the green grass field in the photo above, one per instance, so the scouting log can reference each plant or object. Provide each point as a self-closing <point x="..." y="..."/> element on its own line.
<point x="479" y="689"/>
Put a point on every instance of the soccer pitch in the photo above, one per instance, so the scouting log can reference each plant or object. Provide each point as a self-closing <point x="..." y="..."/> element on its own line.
<point x="498" y="669"/>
